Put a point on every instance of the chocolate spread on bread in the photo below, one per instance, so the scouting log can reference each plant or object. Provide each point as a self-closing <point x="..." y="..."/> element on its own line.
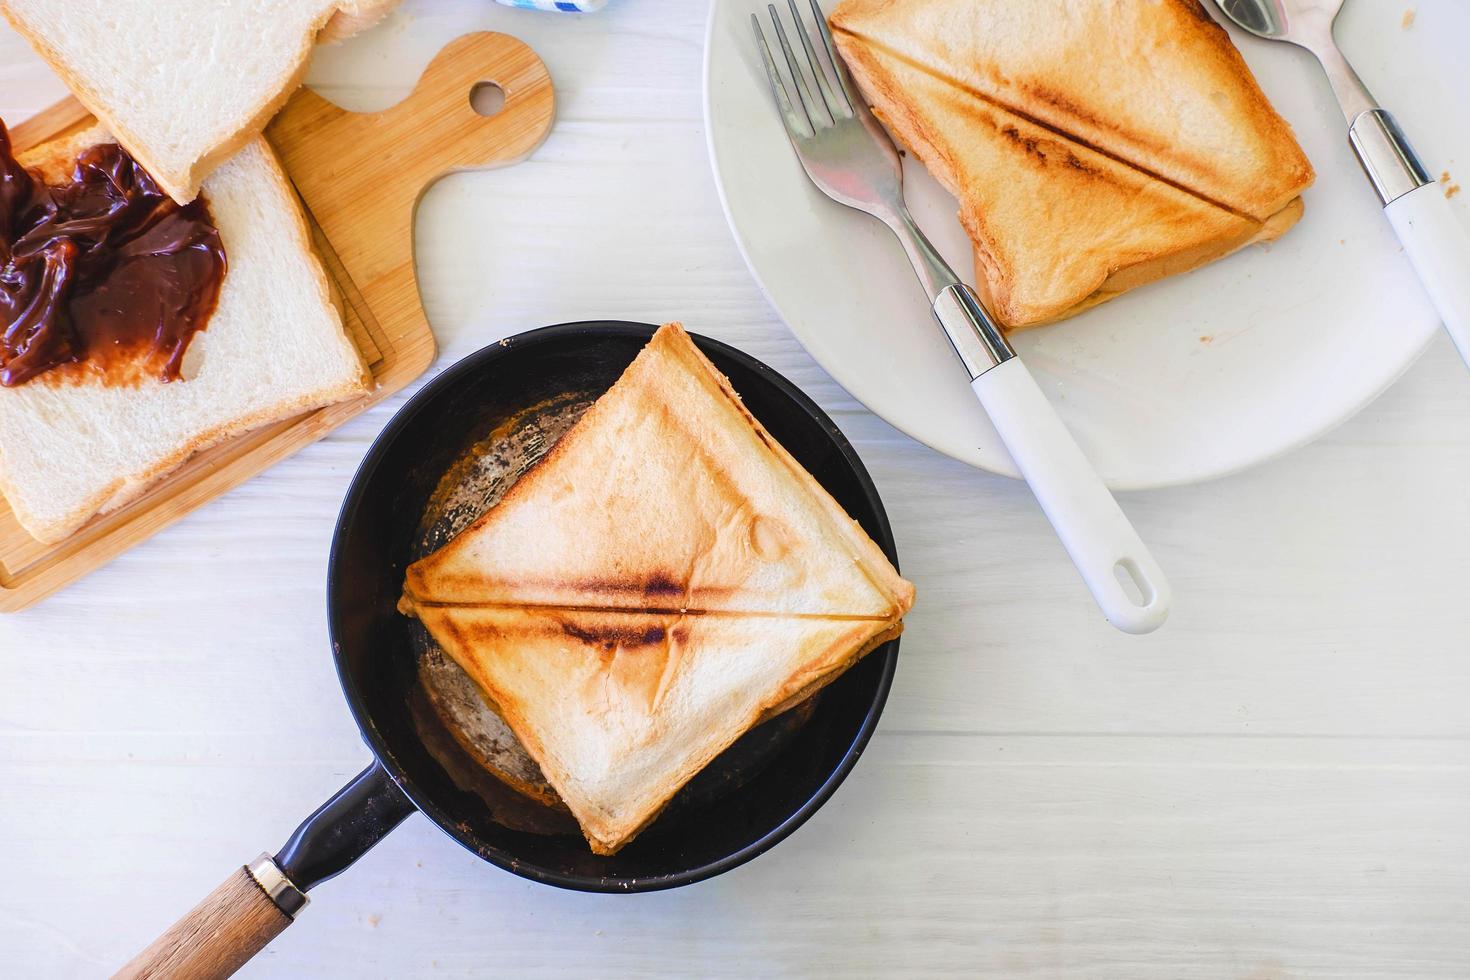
<point x="103" y="274"/>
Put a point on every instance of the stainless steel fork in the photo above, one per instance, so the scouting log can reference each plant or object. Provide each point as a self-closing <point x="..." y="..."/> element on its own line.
<point x="850" y="158"/>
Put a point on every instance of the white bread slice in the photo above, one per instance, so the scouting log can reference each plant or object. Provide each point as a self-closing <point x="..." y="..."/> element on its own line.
<point x="1091" y="167"/>
<point x="667" y="494"/>
<point x="621" y="709"/>
<point x="183" y="84"/>
<point x="275" y="346"/>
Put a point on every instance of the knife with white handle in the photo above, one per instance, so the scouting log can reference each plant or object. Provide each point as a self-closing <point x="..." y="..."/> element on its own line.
<point x="1435" y="238"/>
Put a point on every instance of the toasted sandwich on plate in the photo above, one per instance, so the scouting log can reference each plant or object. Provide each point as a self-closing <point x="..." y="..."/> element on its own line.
<point x="664" y="579"/>
<point x="76" y="436"/>
<point x="183" y="84"/>
<point x="1093" y="145"/>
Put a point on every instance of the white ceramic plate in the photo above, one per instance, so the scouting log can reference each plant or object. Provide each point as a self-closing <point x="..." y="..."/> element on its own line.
<point x="1180" y="381"/>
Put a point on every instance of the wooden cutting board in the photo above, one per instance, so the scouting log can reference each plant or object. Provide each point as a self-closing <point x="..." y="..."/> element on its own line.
<point x="360" y="177"/>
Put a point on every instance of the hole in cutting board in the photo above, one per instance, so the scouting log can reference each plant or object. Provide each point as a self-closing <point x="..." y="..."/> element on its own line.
<point x="487" y="98"/>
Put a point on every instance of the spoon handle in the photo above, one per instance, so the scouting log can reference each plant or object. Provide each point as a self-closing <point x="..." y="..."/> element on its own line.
<point x="1434" y="237"/>
<point x="1437" y="242"/>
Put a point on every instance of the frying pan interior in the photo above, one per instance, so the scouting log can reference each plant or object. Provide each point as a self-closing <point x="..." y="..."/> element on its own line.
<point x="377" y="649"/>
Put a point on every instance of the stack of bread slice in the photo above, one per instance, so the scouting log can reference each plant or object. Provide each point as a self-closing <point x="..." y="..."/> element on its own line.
<point x="273" y="347"/>
<point x="1093" y="145"/>
<point x="185" y="86"/>
<point x="667" y="577"/>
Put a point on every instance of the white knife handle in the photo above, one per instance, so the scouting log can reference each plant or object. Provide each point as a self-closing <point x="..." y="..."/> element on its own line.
<point x="1437" y="241"/>
<point x="1093" y="528"/>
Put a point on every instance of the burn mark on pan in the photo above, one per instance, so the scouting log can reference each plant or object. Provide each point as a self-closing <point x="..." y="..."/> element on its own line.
<point x="488" y="467"/>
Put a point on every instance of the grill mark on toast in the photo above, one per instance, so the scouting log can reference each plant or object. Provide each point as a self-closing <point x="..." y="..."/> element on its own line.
<point x="638" y="610"/>
<point x="616" y="636"/>
<point x="1060" y="134"/>
<point x="659" y="584"/>
<point x="1032" y="146"/>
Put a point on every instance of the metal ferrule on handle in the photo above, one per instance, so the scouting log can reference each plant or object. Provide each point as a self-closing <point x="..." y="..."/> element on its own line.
<point x="1435" y="238"/>
<point x="1387" y="158"/>
<point x="277" y="887"/>
<point x="975" y="337"/>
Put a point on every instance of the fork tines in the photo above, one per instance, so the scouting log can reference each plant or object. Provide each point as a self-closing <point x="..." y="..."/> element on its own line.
<point x="836" y="102"/>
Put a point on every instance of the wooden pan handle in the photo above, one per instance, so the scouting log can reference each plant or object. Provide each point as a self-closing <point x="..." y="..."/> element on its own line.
<point x="216" y="937"/>
<point x="256" y="903"/>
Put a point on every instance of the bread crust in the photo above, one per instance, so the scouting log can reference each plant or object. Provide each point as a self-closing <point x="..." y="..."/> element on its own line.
<point x="354" y="17"/>
<point x="1121" y="280"/>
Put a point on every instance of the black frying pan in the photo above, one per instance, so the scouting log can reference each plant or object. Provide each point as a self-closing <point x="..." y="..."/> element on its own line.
<point x="749" y="799"/>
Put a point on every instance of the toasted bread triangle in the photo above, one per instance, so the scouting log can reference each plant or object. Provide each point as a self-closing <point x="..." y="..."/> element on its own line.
<point x="1069" y="199"/>
<point x="666" y="495"/>
<point x="1157" y="85"/>
<point x="666" y="577"/>
<point x="621" y="709"/>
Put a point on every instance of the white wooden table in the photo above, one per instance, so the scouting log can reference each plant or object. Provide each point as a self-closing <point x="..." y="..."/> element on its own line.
<point x="1276" y="785"/>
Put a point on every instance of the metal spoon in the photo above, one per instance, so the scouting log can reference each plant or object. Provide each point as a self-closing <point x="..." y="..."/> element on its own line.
<point x="1435" y="239"/>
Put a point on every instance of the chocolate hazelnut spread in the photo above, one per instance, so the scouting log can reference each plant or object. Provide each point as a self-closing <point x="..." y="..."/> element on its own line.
<point x="102" y="274"/>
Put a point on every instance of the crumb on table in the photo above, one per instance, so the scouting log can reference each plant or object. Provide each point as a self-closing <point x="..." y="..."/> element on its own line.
<point x="1207" y="338"/>
<point x="1408" y="20"/>
<point x="1452" y="190"/>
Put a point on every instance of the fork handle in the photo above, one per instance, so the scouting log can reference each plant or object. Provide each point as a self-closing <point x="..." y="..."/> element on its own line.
<point x="1096" y="533"/>
<point x="1093" y="528"/>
